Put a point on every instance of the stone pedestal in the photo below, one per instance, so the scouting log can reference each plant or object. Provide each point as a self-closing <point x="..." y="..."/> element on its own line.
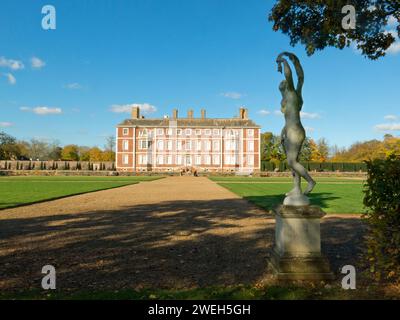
<point x="297" y="250"/>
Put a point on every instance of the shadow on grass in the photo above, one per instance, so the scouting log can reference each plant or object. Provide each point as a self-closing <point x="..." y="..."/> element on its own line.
<point x="169" y="245"/>
<point x="268" y="202"/>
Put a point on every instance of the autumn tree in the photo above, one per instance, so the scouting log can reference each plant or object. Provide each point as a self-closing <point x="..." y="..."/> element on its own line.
<point x="70" y="152"/>
<point x="317" y="24"/>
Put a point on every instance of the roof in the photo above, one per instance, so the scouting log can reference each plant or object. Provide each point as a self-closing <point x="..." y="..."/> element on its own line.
<point x="186" y="122"/>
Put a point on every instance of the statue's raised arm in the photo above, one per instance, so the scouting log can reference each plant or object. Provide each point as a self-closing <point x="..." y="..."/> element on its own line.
<point x="287" y="71"/>
<point x="299" y="70"/>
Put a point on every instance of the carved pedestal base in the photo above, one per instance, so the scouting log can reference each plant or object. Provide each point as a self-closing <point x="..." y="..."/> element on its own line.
<point x="297" y="250"/>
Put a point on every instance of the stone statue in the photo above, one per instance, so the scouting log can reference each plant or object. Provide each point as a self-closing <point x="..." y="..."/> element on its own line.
<point x="293" y="134"/>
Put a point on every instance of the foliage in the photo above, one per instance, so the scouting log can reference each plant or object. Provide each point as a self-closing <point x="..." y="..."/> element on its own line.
<point x="70" y="152"/>
<point x="8" y="147"/>
<point x="368" y="150"/>
<point x="317" y="24"/>
<point x="382" y="198"/>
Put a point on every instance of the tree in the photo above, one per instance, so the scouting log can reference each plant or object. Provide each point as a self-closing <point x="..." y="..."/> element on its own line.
<point x="8" y="147"/>
<point x="271" y="148"/>
<point x="38" y="149"/>
<point x="110" y="144"/>
<point x="70" y="152"/>
<point x="306" y="150"/>
<point x="95" y="154"/>
<point x="317" y="24"/>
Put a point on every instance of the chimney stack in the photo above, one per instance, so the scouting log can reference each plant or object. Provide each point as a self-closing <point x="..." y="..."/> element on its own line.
<point x="203" y="113"/>
<point x="243" y="113"/>
<point x="190" y="114"/>
<point x="175" y="114"/>
<point x="135" y="113"/>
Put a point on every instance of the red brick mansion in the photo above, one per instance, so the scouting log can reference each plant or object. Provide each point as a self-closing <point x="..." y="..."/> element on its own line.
<point x="172" y="143"/>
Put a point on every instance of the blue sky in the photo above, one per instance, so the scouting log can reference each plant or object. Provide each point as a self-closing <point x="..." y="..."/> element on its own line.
<point x="66" y="84"/>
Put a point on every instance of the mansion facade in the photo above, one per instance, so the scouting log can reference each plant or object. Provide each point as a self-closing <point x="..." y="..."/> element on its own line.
<point x="171" y="144"/>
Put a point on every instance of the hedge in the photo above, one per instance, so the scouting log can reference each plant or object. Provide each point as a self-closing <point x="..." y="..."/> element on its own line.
<point x="382" y="198"/>
<point x="317" y="166"/>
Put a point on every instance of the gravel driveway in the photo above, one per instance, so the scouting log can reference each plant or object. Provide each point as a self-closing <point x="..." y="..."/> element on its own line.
<point x="178" y="232"/>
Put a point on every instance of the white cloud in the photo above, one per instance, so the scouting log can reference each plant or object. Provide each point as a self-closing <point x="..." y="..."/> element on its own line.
<point x="127" y="108"/>
<point x="11" y="64"/>
<point x="5" y="124"/>
<point x="42" y="110"/>
<point x="395" y="47"/>
<point x="73" y="86"/>
<point x="263" y="112"/>
<point x="37" y="63"/>
<point x="391" y="117"/>
<point x="392" y="21"/>
<point x="11" y="79"/>
<point x="307" y="115"/>
<point x="232" y="95"/>
<point x="388" y="127"/>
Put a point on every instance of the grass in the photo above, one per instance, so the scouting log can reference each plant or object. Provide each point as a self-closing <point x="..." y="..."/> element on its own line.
<point x="237" y="292"/>
<point x="23" y="190"/>
<point x="333" y="195"/>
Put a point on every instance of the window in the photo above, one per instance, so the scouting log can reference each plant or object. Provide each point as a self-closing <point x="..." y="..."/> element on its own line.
<point x="126" y="159"/>
<point x="198" y="160"/>
<point x="188" y="145"/>
<point x="144" y="144"/>
<point x="188" y="160"/>
<point x="169" y="131"/>
<point x="230" y="145"/>
<point x="160" y="159"/>
<point x="198" y="132"/>
<point x="198" y="145"/>
<point x="207" y="132"/>
<point x="179" y="132"/>
<point x="216" y="132"/>
<point x="179" y="159"/>
<point x="207" y="159"/>
<point x="230" y="159"/>
<point x="125" y="131"/>
<point x="188" y="132"/>
<point x="143" y="159"/>
<point x="169" y="159"/>
<point x="179" y="145"/>
<point x="143" y="133"/>
<point x="216" y="145"/>
<point x="250" y="160"/>
<point x="207" y="145"/>
<point x="160" y="131"/>
<point x="250" y="132"/>
<point x="169" y="144"/>
<point x="125" y="145"/>
<point x="160" y="144"/>
<point x="216" y="159"/>
<point x="250" y="146"/>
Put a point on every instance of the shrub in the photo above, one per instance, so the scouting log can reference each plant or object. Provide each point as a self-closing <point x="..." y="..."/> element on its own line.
<point x="382" y="198"/>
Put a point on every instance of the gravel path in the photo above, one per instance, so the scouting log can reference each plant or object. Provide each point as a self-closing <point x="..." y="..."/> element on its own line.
<point x="178" y="232"/>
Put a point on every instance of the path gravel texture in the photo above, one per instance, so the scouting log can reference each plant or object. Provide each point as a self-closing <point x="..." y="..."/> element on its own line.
<point x="177" y="232"/>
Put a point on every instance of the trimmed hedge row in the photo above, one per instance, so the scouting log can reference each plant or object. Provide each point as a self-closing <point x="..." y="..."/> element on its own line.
<point x="56" y="165"/>
<point x="317" y="166"/>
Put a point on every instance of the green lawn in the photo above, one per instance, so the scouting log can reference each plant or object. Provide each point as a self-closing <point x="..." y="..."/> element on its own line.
<point x="333" y="195"/>
<point x="21" y="190"/>
<point x="315" y="291"/>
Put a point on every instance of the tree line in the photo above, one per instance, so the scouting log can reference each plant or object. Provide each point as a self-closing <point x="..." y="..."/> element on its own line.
<point x="321" y="151"/>
<point x="37" y="149"/>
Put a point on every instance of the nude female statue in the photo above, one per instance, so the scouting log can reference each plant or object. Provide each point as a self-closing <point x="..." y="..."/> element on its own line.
<point x="293" y="134"/>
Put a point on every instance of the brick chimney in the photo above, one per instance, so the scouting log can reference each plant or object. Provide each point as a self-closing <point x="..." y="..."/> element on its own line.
<point x="190" y="114"/>
<point x="135" y="113"/>
<point x="203" y="113"/>
<point x="243" y="113"/>
<point x="175" y="114"/>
